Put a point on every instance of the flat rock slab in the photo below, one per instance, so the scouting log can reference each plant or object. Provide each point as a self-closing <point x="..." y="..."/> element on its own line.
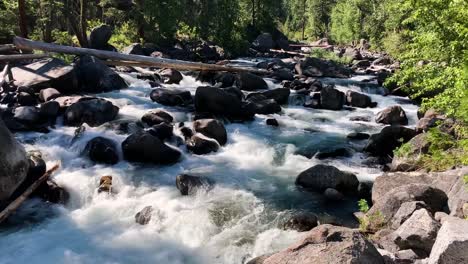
<point x="44" y="74"/>
<point x="451" y="245"/>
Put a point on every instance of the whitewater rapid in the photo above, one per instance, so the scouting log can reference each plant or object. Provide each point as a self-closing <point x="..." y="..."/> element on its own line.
<point x="237" y="220"/>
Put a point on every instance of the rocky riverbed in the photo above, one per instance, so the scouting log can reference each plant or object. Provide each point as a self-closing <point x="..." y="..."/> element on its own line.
<point x="188" y="167"/>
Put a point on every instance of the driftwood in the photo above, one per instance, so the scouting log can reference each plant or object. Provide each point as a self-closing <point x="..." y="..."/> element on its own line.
<point x="309" y="46"/>
<point x="290" y="52"/>
<point x="19" y="57"/>
<point x="13" y="206"/>
<point x="27" y="44"/>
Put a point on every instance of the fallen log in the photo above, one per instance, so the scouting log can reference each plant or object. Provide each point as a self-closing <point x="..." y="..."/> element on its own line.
<point x="13" y="206"/>
<point x="27" y="44"/>
<point x="290" y="52"/>
<point x="20" y="57"/>
<point x="6" y="47"/>
<point x="4" y="75"/>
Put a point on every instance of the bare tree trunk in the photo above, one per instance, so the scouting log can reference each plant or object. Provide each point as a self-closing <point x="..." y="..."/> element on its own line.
<point x="303" y="18"/>
<point x="22" y="18"/>
<point x="253" y="13"/>
<point x="83" y="24"/>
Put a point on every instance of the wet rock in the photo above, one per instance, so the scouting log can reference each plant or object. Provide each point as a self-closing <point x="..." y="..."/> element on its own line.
<point x="48" y="94"/>
<point x="50" y="109"/>
<point x="264" y="42"/>
<point x="405" y="212"/>
<point x="389" y="204"/>
<point x="272" y="122"/>
<point x="37" y="166"/>
<point x="283" y="74"/>
<point x="186" y="132"/>
<point x="339" y="152"/>
<point x="329" y="244"/>
<point x="360" y="118"/>
<point x="102" y="150"/>
<point x="96" y="77"/>
<point x="358" y="136"/>
<point x="200" y="145"/>
<point x="50" y="191"/>
<point x="393" y="115"/>
<point x="451" y="243"/>
<point x="134" y="48"/>
<point x="312" y="103"/>
<point x="333" y="195"/>
<point x="316" y="67"/>
<point x="26" y="99"/>
<point x="66" y="101"/>
<point x="418" y="232"/>
<point x="331" y="98"/>
<point x="321" y="177"/>
<point x="143" y="147"/>
<point x="280" y="95"/>
<point x="225" y="79"/>
<point x="156" y="117"/>
<point x="189" y="185"/>
<point x="266" y="107"/>
<point x="171" y="97"/>
<point x="99" y="37"/>
<point x="383" y="143"/>
<point x="30" y="116"/>
<point x="171" y="76"/>
<point x="301" y="222"/>
<point x="162" y="131"/>
<point x="45" y="74"/>
<point x="94" y="112"/>
<point x="220" y="102"/>
<point x="358" y="99"/>
<point x="144" y="216"/>
<point x="105" y="184"/>
<point x="250" y="82"/>
<point x="211" y="128"/>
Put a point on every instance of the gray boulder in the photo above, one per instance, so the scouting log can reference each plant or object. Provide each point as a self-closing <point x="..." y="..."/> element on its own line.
<point x="328" y="244"/>
<point x="358" y="99"/>
<point x="418" y="232"/>
<point x="451" y="244"/>
<point x="14" y="164"/>
<point x="144" y="216"/>
<point x="320" y="177"/>
<point x="392" y="115"/>
<point x="405" y="212"/>
<point x="331" y="98"/>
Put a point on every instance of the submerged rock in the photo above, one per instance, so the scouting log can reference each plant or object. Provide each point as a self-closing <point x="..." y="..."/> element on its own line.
<point x="143" y="147"/>
<point x="189" y="185"/>
<point x="320" y="177"/>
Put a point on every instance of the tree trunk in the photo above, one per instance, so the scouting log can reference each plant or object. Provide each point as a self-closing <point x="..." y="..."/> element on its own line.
<point x="253" y="13"/>
<point x="303" y="18"/>
<point x="83" y="25"/>
<point x="22" y="18"/>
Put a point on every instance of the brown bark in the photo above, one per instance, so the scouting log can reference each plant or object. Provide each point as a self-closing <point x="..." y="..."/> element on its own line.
<point x="22" y="18"/>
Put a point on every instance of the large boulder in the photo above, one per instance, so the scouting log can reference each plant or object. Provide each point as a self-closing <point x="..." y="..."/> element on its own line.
<point x="250" y="82"/>
<point x="143" y="147"/>
<point x="99" y="37"/>
<point x="171" y="97"/>
<point x="409" y="160"/>
<point x="156" y="117"/>
<point x="388" y="205"/>
<point x="328" y="244"/>
<point x="200" y="144"/>
<point x="222" y="102"/>
<point x="392" y="115"/>
<point x="264" y="42"/>
<point x="211" y="128"/>
<point x="93" y="111"/>
<point x="45" y="74"/>
<point x="451" y="243"/>
<point x="14" y="164"/>
<point x="316" y="67"/>
<point x="96" y="77"/>
<point x="418" y="232"/>
<point x="404" y="213"/>
<point x="331" y="98"/>
<point x="390" y="137"/>
<point x="321" y="177"/>
<point x="189" y="185"/>
<point x="102" y="150"/>
<point x="171" y="76"/>
<point x="358" y="99"/>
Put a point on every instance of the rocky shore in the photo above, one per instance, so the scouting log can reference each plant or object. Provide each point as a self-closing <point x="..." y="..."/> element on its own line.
<point x="414" y="216"/>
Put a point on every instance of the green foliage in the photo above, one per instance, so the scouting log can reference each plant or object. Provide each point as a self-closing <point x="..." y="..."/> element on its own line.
<point x="330" y="55"/>
<point x="363" y="206"/>
<point x="372" y="223"/>
<point x="345" y="22"/>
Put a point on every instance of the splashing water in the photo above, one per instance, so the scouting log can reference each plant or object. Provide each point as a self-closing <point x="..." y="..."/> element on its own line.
<point x="232" y="223"/>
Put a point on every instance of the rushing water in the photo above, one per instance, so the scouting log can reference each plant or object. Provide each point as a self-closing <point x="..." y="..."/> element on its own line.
<point x="237" y="220"/>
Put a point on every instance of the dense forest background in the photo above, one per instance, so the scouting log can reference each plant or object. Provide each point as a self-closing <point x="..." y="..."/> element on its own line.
<point x="428" y="37"/>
